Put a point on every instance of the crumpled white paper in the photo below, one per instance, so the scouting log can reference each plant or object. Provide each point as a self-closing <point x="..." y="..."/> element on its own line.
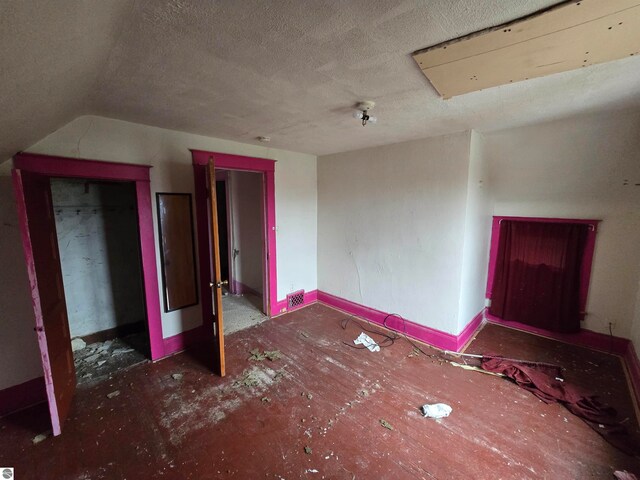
<point x="368" y="342"/>
<point x="436" y="410"/>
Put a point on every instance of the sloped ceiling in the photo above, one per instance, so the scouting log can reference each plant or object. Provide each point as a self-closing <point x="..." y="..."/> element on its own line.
<point x="288" y="69"/>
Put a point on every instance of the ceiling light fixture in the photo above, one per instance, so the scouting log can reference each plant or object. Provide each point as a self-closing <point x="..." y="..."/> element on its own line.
<point x="362" y="112"/>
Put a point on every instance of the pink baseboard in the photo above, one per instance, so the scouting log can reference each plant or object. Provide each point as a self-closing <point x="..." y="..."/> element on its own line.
<point x="22" y="396"/>
<point x="240" y="288"/>
<point x="182" y="340"/>
<point x="590" y="339"/>
<point x="585" y="338"/>
<point x="633" y="366"/>
<point x="309" y="298"/>
<point x="431" y="336"/>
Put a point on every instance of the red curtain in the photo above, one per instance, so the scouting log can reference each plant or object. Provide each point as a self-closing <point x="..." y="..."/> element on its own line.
<point x="537" y="277"/>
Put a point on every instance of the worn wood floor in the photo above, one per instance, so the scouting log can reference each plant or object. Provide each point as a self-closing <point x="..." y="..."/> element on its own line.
<point x="316" y="413"/>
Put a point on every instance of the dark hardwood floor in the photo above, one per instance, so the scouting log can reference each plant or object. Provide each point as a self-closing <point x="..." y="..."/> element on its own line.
<point x="317" y="412"/>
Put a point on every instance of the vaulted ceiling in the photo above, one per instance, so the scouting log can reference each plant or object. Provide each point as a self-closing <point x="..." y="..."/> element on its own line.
<point x="288" y="69"/>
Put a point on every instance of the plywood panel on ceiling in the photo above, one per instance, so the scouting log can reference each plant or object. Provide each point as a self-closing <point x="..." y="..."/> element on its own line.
<point x="567" y="37"/>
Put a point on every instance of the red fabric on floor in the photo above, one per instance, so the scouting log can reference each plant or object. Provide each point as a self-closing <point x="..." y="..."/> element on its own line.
<point x="541" y="380"/>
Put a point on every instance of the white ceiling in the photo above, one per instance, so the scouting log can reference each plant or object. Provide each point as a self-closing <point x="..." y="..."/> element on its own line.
<point x="288" y="69"/>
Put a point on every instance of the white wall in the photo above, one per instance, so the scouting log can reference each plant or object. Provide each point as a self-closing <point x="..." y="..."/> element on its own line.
<point x="97" y="230"/>
<point x="477" y="234"/>
<point x="577" y="168"/>
<point x="168" y="152"/>
<point x="248" y="230"/>
<point x="391" y="221"/>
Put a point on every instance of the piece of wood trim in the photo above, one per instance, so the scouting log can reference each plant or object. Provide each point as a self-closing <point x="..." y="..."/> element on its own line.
<point x="562" y="38"/>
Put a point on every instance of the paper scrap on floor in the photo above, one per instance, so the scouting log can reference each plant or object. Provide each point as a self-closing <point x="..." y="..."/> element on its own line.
<point x="368" y="342"/>
<point x="436" y="410"/>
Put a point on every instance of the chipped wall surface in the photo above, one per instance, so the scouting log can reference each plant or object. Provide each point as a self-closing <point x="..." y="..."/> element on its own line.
<point x="248" y="231"/>
<point x="585" y="167"/>
<point x="97" y="229"/>
<point x="391" y="224"/>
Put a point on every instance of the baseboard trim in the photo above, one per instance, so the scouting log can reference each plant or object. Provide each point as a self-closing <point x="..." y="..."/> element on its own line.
<point x="180" y="342"/>
<point x="585" y="338"/>
<point x="242" y="289"/>
<point x="430" y="336"/>
<point x="633" y="368"/>
<point x="310" y="298"/>
<point x="23" y="395"/>
<point x="116" y="332"/>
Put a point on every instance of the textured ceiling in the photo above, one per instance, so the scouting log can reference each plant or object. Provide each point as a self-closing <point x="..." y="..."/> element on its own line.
<point x="288" y="69"/>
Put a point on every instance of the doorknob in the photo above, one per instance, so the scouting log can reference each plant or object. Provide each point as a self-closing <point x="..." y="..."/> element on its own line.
<point x="219" y="284"/>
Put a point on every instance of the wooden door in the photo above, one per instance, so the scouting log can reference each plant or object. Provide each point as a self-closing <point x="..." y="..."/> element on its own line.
<point x="216" y="278"/>
<point x="37" y="225"/>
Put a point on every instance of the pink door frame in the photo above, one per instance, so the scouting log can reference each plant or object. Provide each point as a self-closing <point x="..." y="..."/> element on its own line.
<point x="587" y="259"/>
<point x="200" y="160"/>
<point x="53" y="166"/>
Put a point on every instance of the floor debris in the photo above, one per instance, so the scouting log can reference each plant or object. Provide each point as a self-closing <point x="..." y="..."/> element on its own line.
<point x="40" y="437"/>
<point x="307" y="450"/>
<point x="475" y="369"/>
<point x="177" y="376"/>
<point x="99" y="360"/>
<point x="77" y="344"/>
<point x="436" y="410"/>
<point x="113" y="394"/>
<point x="367" y="341"/>
<point x="270" y="355"/>
<point x="305" y="334"/>
<point x="386" y="424"/>
<point x="414" y="353"/>
<point x="265" y="399"/>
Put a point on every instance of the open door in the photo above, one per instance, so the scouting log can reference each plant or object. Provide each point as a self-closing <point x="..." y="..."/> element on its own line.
<point x="40" y="243"/>
<point x="216" y="280"/>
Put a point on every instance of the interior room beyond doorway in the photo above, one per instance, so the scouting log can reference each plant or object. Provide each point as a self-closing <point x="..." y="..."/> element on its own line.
<point x="241" y="223"/>
<point x="98" y="240"/>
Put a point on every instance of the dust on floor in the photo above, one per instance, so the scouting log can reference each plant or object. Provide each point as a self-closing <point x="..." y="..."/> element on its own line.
<point x="241" y="311"/>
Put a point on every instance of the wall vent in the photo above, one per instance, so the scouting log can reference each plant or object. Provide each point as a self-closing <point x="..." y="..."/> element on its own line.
<point x="295" y="299"/>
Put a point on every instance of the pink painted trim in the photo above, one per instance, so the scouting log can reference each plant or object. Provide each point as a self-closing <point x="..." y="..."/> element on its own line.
<point x="181" y="341"/>
<point x="75" y="167"/>
<point x="71" y="167"/>
<point x="467" y="334"/>
<point x="149" y="269"/>
<point x="587" y="259"/>
<point x="235" y="162"/>
<point x="23" y="395"/>
<point x="41" y="333"/>
<point x="242" y="289"/>
<point x="431" y="336"/>
<point x="584" y="338"/>
<point x="633" y="367"/>
<point x="310" y="298"/>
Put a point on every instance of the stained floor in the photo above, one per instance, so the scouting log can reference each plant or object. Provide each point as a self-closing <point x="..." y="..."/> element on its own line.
<point x="318" y="412"/>
<point x="241" y="312"/>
